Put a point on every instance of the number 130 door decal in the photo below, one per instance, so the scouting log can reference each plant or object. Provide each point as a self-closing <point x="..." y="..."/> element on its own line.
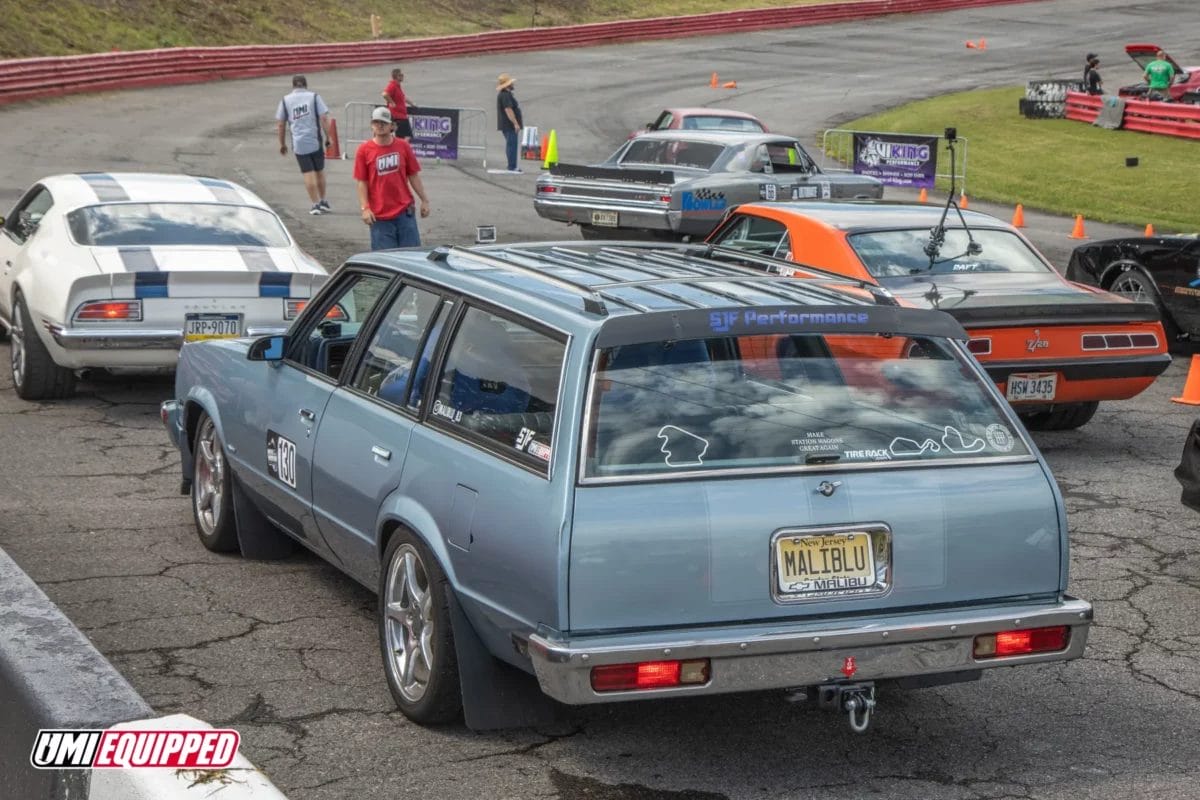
<point x="281" y="458"/>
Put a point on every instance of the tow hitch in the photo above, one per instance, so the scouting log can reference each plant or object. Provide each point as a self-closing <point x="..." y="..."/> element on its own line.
<point x="857" y="700"/>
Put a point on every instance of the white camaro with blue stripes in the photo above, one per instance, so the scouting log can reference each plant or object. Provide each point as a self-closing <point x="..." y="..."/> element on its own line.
<point x="122" y="269"/>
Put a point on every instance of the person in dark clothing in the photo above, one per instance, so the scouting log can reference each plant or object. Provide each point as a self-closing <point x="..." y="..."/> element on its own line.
<point x="508" y="118"/>
<point x="1092" y="84"/>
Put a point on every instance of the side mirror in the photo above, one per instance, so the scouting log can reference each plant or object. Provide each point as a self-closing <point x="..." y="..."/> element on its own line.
<point x="649" y="126"/>
<point x="268" y="348"/>
<point x="2" y="220"/>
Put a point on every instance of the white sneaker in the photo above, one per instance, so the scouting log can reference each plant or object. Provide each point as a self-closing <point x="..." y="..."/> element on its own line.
<point x="316" y="210"/>
<point x="517" y="171"/>
<point x="324" y="205"/>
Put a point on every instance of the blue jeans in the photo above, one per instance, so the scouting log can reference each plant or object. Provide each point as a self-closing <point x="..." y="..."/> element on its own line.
<point x="510" y="147"/>
<point x="399" y="231"/>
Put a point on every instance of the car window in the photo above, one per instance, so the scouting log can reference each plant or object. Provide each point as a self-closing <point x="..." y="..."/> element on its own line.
<point x="723" y="124"/>
<point x="755" y="234"/>
<point x="323" y="337"/>
<point x="387" y="364"/>
<point x="672" y="152"/>
<point x="500" y="382"/>
<point x="668" y="407"/>
<point x="897" y="253"/>
<point x="29" y="213"/>
<point x="663" y="121"/>
<point x="194" y="224"/>
<point x="788" y="157"/>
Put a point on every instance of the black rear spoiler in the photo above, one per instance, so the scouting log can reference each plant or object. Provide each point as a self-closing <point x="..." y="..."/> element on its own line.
<point x="614" y="173"/>
<point x="1083" y="314"/>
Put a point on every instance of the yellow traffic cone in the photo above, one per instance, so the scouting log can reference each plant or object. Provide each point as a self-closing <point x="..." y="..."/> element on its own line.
<point x="551" y="154"/>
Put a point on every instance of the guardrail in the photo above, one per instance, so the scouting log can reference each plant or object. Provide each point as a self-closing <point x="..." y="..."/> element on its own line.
<point x="31" y="78"/>
<point x="1146" y="116"/>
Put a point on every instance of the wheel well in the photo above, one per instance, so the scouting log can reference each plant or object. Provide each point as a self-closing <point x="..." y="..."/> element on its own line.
<point x="191" y="420"/>
<point x="1114" y="269"/>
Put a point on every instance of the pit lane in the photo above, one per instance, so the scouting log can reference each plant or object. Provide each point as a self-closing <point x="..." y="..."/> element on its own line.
<point x="286" y="652"/>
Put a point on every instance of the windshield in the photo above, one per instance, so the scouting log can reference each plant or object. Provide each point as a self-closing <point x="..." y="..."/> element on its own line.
<point x="780" y="401"/>
<point x="672" y="153"/>
<point x="888" y="254"/>
<point x="194" y="224"/>
<point x="721" y="124"/>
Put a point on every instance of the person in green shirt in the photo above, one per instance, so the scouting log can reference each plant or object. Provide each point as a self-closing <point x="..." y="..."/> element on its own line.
<point x="1159" y="74"/>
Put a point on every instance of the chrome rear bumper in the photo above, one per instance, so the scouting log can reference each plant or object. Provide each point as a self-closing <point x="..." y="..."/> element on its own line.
<point x="116" y="338"/>
<point x="805" y="654"/>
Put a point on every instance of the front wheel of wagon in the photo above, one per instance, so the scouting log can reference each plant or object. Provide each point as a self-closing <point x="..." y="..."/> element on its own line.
<point x="212" y="497"/>
<point x="415" y="638"/>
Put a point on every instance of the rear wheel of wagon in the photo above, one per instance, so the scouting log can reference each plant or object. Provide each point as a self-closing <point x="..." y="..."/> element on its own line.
<point x="1065" y="417"/>
<point x="415" y="638"/>
<point x="212" y="496"/>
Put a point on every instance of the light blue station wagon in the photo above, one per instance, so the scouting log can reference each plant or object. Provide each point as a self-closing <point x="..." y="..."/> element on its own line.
<point x="635" y="471"/>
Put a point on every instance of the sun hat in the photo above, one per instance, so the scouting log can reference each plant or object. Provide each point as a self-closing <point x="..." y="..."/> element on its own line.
<point x="504" y="81"/>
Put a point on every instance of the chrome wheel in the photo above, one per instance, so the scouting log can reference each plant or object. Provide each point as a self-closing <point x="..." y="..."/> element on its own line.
<point x="409" y="626"/>
<point x="17" y="344"/>
<point x="1132" y="285"/>
<point x="209" y="494"/>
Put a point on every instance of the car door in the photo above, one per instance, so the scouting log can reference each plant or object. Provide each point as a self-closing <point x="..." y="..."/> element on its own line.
<point x="480" y="464"/>
<point x="18" y="228"/>
<point x="364" y="434"/>
<point x="280" y="434"/>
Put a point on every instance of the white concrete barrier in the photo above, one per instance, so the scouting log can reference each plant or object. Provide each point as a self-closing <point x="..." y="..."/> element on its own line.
<point x="239" y="781"/>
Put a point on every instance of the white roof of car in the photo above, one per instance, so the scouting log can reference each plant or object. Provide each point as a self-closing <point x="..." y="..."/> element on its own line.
<point x="92" y="188"/>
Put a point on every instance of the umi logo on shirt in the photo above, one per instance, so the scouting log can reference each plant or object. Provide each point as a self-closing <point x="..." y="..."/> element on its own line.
<point x="388" y="162"/>
<point x="301" y="110"/>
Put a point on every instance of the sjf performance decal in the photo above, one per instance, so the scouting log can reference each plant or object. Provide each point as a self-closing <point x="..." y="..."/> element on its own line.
<point x="281" y="458"/>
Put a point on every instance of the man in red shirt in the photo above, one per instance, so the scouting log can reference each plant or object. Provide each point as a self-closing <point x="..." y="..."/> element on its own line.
<point x="385" y="168"/>
<point x="398" y="104"/>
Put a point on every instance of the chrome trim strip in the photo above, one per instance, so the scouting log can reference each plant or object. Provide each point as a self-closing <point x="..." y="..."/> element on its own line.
<point x="116" y="339"/>
<point x="265" y="330"/>
<point x="807" y="654"/>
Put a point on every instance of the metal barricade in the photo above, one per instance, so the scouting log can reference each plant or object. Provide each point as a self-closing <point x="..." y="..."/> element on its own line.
<point x="837" y="153"/>
<point x="470" y="129"/>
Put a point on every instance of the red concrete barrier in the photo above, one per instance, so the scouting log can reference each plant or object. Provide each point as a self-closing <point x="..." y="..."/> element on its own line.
<point x="26" y="79"/>
<point x="1146" y="116"/>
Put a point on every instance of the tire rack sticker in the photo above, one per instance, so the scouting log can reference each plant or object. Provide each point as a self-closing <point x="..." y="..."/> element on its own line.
<point x="281" y="458"/>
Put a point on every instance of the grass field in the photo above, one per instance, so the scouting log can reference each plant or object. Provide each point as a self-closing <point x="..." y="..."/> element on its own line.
<point x="1058" y="165"/>
<point x="61" y="27"/>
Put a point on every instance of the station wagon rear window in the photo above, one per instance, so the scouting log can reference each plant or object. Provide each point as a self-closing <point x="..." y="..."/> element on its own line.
<point x="190" y="224"/>
<point x="789" y="401"/>
<point x="888" y="254"/>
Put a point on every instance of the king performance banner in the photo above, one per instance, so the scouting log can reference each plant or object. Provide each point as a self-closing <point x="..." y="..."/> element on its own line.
<point x="435" y="132"/>
<point x="897" y="159"/>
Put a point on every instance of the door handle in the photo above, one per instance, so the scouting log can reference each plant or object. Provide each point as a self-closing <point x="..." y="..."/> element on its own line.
<point x="308" y="416"/>
<point x="381" y="453"/>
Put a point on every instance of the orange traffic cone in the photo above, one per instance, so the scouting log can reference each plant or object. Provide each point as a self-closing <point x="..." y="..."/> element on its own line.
<point x="545" y="145"/>
<point x="970" y="45"/>
<point x="1191" y="388"/>
<point x="982" y="43"/>
<point x="1149" y="230"/>
<point x="729" y="85"/>
<point x="713" y="83"/>
<point x="923" y="197"/>
<point x="962" y="201"/>
<point x="333" y="147"/>
<point x="1077" y="232"/>
<point x="1019" y="217"/>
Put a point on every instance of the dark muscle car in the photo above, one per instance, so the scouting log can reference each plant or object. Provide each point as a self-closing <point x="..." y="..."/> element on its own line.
<point x="679" y="184"/>
<point x="1161" y="269"/>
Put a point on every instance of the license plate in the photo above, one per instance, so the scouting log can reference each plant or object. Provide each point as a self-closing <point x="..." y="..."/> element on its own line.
<point x="606" y="219"/>
<point x="198" y="327"/>
<point x="825" y="563"/>
<point x="1031" y="386"/>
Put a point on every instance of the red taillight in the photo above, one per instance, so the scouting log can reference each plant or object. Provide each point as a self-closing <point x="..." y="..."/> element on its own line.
<point x="664" y="198"/>
<point x="649" y="675"/>
<point x="980" y="347"/>
<point x="547" y="189"/>
<point x="1022" y="642"/>
<point x="292" y="308"/>
<point x="108" y="310"/>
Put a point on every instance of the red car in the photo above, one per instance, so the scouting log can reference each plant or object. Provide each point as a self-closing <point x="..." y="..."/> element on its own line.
<point x="1186" y="86"/>
<point x="704" y="119"/>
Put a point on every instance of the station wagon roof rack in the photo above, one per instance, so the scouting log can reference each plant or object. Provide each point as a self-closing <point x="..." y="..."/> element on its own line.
<point x="662" y="266"/>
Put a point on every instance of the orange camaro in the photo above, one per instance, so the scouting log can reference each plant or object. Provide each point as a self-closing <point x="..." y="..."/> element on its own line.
<point x="1055" y="348"/>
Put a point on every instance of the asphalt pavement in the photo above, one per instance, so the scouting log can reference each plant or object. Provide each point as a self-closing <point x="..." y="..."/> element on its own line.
<point x="286" y="652"/>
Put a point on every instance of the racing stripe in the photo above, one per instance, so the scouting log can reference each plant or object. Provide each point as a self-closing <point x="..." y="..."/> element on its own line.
<point x="275" y="284"/>
<point x="257" y="259"/>
<point x="105" y="186"/>
<point x="138" y="259"/>
<point x="223" y="191"/>
<point x="150" y="284"/>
